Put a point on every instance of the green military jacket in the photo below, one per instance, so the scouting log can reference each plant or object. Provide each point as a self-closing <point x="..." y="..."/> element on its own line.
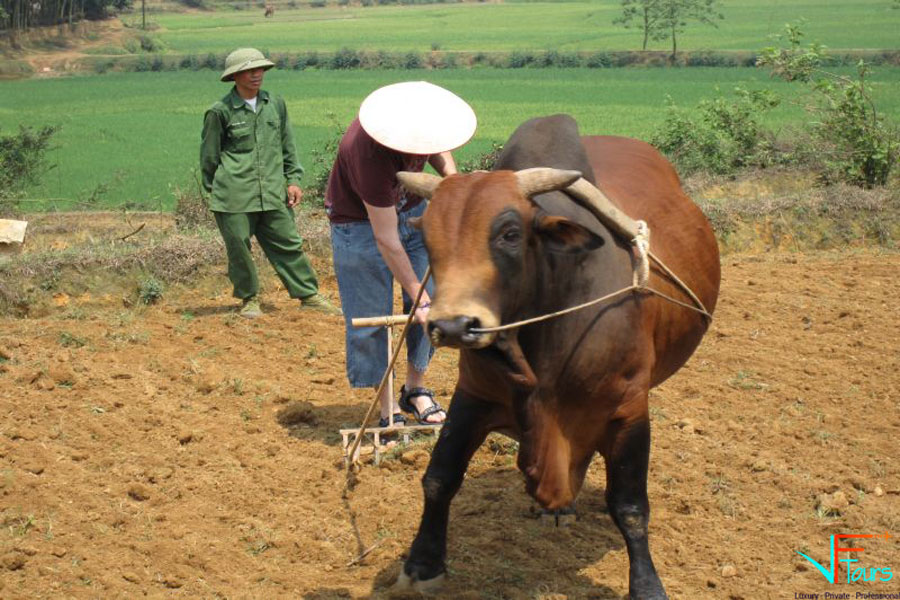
<point x="248" y="159"/>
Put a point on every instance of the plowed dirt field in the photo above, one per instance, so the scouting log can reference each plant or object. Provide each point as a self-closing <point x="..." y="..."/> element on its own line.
<point x="179" y="451"/>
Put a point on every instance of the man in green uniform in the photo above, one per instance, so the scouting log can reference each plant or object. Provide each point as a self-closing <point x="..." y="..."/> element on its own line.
<point x="251" y="171"/>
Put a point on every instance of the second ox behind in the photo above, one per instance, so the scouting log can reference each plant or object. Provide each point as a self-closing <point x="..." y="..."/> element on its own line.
<point x="510" y="244"/>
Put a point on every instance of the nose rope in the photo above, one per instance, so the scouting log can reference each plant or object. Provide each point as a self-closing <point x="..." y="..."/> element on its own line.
<point x="640" y="276"/>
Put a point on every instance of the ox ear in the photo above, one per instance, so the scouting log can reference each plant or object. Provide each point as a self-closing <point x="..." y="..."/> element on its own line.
<point x="415" y="222"/>
<point x="422" y="184"/>
<point x="543" y="179"/>
<point x="564" y="235"/>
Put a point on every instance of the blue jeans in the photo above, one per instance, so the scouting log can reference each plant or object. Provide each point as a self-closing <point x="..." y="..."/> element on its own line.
<point x="365" y="284"/>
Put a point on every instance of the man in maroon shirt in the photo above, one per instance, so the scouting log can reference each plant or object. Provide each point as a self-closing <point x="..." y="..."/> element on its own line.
<point x="401" y="127"/>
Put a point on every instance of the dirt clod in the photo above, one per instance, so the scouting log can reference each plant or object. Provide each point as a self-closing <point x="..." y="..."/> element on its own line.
<point x="298" y="413"/>
<point x="139" y="492"/>
<point x="12" y="561"/>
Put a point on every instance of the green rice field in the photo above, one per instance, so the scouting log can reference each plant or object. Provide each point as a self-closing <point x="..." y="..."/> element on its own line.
<point x="582" y="25"/>
<point x="136" y="135"/>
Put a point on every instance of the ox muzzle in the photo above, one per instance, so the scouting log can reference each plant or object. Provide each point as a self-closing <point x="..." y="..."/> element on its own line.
<point x="458" y="332"/>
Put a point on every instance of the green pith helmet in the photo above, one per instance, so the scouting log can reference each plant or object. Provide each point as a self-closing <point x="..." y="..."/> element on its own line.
<point x="244" y="59"/>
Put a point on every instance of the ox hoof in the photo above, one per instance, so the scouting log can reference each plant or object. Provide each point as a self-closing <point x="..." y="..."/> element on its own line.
<point x="427" y="586"/>
<point x="565" y="517"/>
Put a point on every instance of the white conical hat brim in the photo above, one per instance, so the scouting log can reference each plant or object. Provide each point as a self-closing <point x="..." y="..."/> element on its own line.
<point x="417" y="117"/>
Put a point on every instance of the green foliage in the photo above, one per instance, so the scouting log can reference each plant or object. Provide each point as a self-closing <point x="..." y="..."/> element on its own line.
<point x="345" y="58"/>
<point x="150" y="290"/>
<point x="640" y="14"/>
<point x="322" y="160"/>
<point x="22" y="163"/>
<point x="483" y="162"/>
<point x="69" y="340"/>
<point x="666" y="19"/>
<point x="412" y="60"/>
<point x="719" y="136"/>
<point x="855" y="143"/>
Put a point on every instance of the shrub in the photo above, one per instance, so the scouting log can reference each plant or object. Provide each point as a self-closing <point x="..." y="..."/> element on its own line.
<point x="322" y="160"/>
<point x="22" y="163"/>
<point x="103" y="65"/>
<point x="142" y="64"/>
<point x="345" y="58"/>
<point x="150" y="290"/>
<point x="720" y="136"/>
<point x="519" y="59"/>
<point x="412" y="60"/>
<point x="597" y="60"/>
<point x="485" y="162"/>
<point x="150" y="44"/>
<point x="211" y="62"/>
<point x="857" y="144"/>
<point x="189" y="61"/>
<point x="309" y="60"/>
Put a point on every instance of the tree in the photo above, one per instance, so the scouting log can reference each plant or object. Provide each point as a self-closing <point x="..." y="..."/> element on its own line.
<point x="643" y="14"/>
<point x="666" y="19"/>
<point x="676" y="14"/>
<point x="19" y="15"/>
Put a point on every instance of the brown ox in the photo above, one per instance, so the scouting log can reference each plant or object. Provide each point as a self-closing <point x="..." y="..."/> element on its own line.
<point x="504" y="247"/>
<point x="270" y="11"/>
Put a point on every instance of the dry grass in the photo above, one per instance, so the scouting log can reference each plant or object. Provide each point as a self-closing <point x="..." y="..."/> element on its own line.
<point x="787" y="210"/>
<point x="85" y="253"/>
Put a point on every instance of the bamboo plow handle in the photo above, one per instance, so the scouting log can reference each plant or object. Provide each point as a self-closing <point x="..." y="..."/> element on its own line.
<point x="385" y="321"/>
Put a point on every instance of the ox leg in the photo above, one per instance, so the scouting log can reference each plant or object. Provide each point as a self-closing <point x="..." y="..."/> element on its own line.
<point x="463" y="432"/>
<point x="627" y="458"/>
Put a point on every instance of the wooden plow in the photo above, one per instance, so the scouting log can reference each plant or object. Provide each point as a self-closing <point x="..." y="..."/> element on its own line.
<point x="352" y="438"/>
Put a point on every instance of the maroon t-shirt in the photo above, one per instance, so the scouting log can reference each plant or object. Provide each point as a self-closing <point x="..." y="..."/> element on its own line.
<point x="364" y="170"/>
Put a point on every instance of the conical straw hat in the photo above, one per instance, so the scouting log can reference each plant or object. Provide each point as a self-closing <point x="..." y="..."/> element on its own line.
<point x="417" y="117"/>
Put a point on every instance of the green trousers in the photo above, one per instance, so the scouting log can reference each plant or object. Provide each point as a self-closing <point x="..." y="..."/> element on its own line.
<point x="277" y="235"/>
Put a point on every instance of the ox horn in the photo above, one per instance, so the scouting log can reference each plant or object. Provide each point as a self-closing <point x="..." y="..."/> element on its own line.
<point x="590" y="197"/>
<point x="543" y="179"/>
<point x="422" y="184"/>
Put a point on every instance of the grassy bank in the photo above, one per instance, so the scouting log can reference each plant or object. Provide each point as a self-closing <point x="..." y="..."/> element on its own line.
<point x="81" y="258"/>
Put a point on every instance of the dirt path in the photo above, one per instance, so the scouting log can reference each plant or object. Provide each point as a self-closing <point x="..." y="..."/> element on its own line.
<point x="141" y="453"/>
<point x="49" y="57"/>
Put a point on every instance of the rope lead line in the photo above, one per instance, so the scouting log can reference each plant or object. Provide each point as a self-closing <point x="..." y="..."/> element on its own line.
<point x="641" y="275"/>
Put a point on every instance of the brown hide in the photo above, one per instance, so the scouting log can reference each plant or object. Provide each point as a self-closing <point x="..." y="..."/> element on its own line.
<point x="564" y="387"/>
<point x="645" y="186"/>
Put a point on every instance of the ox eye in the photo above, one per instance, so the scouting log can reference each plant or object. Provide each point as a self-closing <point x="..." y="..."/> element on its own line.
<point x="511" y="236"/>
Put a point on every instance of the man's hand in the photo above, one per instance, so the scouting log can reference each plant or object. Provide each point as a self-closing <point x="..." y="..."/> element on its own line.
<point x="294" y="195"/>
<point x="421" y="316"/>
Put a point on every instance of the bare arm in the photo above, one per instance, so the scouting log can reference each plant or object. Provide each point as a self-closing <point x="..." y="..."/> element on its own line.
<point x="443" y="163"/>
<point x="384" y="226"/>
